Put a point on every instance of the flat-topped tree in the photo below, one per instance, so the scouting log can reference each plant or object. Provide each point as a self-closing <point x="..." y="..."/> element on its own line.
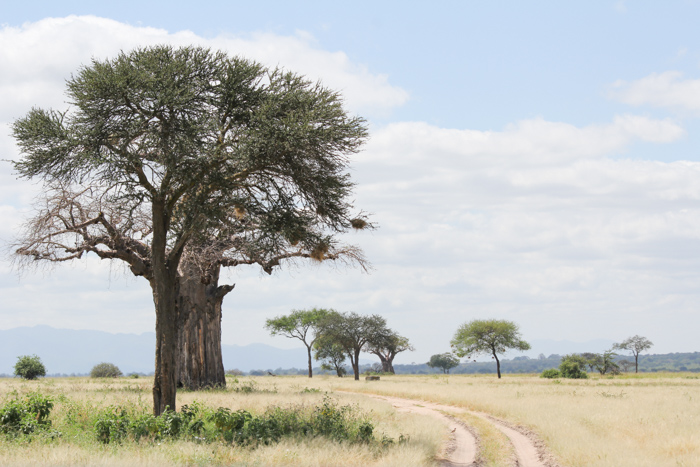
<point x="491" y="336"/>
<point x="299" y="324"/>
<point x="185" y="141"/>
<point x="635" y="344"/>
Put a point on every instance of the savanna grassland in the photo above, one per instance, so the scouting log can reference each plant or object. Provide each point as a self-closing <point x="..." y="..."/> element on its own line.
<point x="646" y="420"/>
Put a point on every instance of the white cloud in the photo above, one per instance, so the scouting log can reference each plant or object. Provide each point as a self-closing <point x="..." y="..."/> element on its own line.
<point x="667" y="89"/>
<point x="38" y="57"/>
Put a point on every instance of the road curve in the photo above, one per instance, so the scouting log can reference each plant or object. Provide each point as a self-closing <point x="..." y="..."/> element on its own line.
<point x="462" y="449"/>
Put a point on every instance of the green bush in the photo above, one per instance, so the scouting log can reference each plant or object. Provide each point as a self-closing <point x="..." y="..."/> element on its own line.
<point x="105" y="370"/>
<point x="551" y="373"/>
<point x="26" y="414"/>
<point x="29" y="367"/>
<point x="197" y="423"/>
<point x="573" y="366"/>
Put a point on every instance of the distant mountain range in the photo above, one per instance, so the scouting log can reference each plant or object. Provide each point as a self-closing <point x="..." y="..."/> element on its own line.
<point x="67" y="351"/>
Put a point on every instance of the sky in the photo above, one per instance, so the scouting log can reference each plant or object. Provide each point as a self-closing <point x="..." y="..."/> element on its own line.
<point x="530" y="161"/>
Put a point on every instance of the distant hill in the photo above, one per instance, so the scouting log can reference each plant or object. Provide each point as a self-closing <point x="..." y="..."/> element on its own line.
<point x="67" y="351"/>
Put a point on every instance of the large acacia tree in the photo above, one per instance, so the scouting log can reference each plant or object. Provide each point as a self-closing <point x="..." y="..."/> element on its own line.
<point x="186" y="142"/>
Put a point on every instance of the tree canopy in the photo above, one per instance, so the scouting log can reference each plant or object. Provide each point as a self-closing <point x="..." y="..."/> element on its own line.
<point x="386" y="347"/>
<point x="186" y="148"/>
<point x="353" y="332"/>
<point x="445" y="361"/>
<point x="29" y="367"/>
<point x="635" y="344"/>
<point x="299" y="324"/>
<point x="487" y="337"/>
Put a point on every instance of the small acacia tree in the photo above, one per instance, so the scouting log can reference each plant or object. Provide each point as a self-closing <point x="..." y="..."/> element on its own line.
<point x="29" y="367"/>
<point x="636" y="345"/>
<point x="299" y="324"/>
<point x="490" y="336"/>
<point x="445" y="361"/>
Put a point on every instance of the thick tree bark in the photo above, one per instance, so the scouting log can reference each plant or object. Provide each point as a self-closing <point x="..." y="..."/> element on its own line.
<point x="165" y="286"/>
<point x="200" y="363"/>
<point x="164" y="384"/>
<point x="385" y="362"/>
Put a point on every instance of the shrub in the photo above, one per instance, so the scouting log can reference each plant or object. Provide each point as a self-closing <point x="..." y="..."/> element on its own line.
<point x="198" y="423"/>
<point x="29" y="367"/>
<point x="105" y="370"/>
<point x="551" y="373"/>
<point x="572" y="366"/>
<point x="25" y="414"/>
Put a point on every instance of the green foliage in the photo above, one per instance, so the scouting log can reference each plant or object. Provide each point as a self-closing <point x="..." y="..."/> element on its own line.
<point x="635" y="344"/>
<point x="573" y="366"/>
<point x="490" y="337"/>
<point x="197" y="423"/>
<point x="116" y="424"/>
<point x="26" y="414"/>
<point x="551" y="373"/>
<point x="299" y="324"/>
<point x="331" y="355"/>
<point x="605" y="363"/>
<point x="29" y="367"/>
<point x="353" y="333"/>
<point x="445" y="361"/>
<point x="106" y="370"/>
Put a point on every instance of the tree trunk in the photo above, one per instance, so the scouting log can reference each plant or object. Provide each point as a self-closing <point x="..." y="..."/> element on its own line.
<point x="390" y="364"/>
<point x="308" y="349"/>
<point x="356" y="365"/>
<point x="200" y="363"/>
<point x="385" y="363"/>
<point x="165" y="286"/>
<point x="498" y="365"/>
<point x="164" y="381"/>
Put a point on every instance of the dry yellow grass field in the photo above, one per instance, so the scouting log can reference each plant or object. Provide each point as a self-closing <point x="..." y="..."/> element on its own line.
<point x="651" y="420"/>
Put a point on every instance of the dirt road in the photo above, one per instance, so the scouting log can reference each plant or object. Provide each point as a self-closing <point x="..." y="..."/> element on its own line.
<point x="462" y="450"/>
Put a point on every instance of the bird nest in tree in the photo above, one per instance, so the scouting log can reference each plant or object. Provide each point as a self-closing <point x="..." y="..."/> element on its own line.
<point x="358" y="224"/>
<point x="319" y="252"/>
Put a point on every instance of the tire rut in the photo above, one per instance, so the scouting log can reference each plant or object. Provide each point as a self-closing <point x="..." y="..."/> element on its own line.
<point x="462" y="450"/>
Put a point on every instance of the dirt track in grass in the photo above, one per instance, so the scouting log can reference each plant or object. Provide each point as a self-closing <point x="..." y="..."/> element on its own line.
<point x="463" y="447"/>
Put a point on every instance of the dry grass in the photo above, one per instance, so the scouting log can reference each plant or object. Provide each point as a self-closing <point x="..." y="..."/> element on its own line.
<point x="652" y="420"/>
<point x="82" y="396"/>
<point x="649" y="420"/>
